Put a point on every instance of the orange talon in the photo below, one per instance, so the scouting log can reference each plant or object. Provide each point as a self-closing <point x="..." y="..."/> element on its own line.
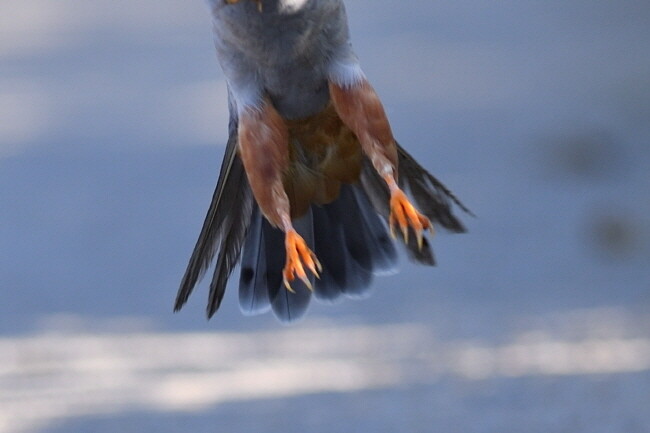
<point x="299" y="256"/>
<point x="404" y="214"/>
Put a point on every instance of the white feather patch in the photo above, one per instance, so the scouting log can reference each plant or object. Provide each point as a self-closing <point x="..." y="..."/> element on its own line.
<point x="346" y="74"/>
<point x="291" y="6"/>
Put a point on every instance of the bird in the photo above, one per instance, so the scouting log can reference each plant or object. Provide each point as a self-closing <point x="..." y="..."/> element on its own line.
<point x="313" y="185"/>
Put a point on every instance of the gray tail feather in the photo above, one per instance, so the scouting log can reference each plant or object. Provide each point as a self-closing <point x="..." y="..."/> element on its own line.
<point x="263" y="258"/>
<point x="347" y="236"/>
<point x="254" y="299"/>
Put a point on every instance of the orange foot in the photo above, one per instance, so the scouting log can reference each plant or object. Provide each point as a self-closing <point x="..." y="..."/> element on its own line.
<point x="404" y="214"/>
<point x="298" y="253"/>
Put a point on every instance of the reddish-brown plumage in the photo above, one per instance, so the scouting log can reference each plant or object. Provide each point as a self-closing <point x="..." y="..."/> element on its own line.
<point x="360" y="108"/>
<point x="323" y="153"/>
<point x="294" y="163"/>
<point x="291" y="164"/>
<point x="311" y="157"/>
<point x="263" y="146"/>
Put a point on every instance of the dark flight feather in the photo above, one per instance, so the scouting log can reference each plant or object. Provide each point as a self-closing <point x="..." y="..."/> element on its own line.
<point x="289" y="307"/>
<point x="430" y="194"/>
<point x="253" y="294"/>
<point x="215" y="233"/>
<point x="349" y="259"/>
<point x="341" y="272"/>
<point x="367" y="236"/>
<point x="235" y="229"/>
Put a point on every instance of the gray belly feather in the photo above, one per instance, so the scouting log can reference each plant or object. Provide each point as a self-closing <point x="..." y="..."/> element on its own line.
<point x="288" y="54"/>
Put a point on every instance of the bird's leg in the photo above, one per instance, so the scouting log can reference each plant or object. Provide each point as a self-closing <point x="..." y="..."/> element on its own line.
<point x="361" y="110"/>
<point x="264" y="149"/>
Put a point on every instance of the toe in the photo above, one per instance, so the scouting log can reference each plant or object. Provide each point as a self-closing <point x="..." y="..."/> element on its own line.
<point x="404" y="214"/>
<point x="299" y="256"/>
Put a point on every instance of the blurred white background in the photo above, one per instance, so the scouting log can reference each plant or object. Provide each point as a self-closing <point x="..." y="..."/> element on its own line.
<point x="536" y="114"/>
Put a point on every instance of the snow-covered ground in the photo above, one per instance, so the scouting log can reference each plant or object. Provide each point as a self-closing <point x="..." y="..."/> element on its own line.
<point x="536" y="114"/>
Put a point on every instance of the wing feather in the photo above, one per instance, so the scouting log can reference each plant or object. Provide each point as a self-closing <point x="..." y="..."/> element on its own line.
<point x="229" y="210"/>
<point x="235" y="228"/>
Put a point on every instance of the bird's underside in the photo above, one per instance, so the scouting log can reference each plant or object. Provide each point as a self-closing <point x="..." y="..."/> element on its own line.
<point x="340" y="211"/>
<point x="314" y="203"/>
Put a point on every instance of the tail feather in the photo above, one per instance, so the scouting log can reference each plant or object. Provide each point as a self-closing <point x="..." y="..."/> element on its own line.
<point x="375" y="189"/>
<point x="331" y="254"/>
<point x="260" y="286"/>
<point x="376" y="244"/>
<point x="433" y="205"/>
<point x="287" y="306"/>
<point x="342" y="273"/>
<point x="235" y="232"/>
<point x="232" y="187"/>
<point x="432" y="196"/>
<point x="347" y="236"/>
<point x="253" y="294"/>
<point x="423" y="255"/>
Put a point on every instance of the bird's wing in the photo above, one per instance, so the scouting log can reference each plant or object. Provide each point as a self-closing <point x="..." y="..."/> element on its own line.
<point x="224" y="228"/>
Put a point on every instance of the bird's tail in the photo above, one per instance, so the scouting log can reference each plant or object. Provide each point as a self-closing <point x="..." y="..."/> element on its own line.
<point x="347" y="236"/>
<point x="350" y="238"/>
